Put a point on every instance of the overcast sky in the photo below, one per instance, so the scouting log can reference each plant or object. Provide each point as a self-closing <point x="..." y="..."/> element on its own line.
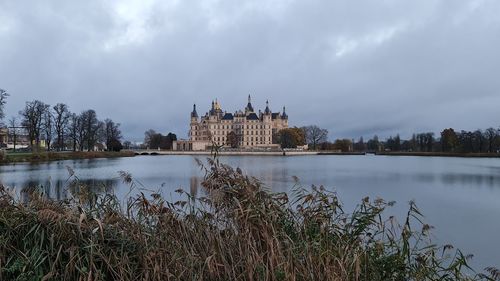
<point x="353" y="67"/>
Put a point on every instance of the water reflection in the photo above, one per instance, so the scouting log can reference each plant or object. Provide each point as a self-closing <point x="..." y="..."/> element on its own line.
<point x="62" y="189"/>
<point x="452" y="192"/>
<point x="488" y="180"/>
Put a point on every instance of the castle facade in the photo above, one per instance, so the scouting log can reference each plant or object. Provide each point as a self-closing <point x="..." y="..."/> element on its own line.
<point x="242" y="129"/>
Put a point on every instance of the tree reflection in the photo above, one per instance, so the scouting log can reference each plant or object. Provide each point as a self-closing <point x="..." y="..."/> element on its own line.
<point x="64" y="189"/>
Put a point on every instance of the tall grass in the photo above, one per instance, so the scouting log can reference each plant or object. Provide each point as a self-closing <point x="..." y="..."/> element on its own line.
<point x="239" y="231"/>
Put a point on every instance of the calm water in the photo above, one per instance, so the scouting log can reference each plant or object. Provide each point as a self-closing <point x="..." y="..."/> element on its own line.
<point x="460" y="197"/>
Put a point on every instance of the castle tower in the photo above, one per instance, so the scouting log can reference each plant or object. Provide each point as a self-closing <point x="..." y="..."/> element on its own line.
<point x="284" y="115"/>
<point x="249" y="108"/>
<point x="267" y="111"/>
<point x="284" y="118"/>
<point x="217" y="105"/>
<point x="212" y="110"/>
<point x="194" y="124"/>
<point x="194" y="115"/>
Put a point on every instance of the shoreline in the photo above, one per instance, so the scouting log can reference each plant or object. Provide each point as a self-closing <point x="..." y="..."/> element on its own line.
<point x="243" y="153"/>
<point x="12" y="158"/>
<point x="41" y="157"/>
<point x="441" y="154"/>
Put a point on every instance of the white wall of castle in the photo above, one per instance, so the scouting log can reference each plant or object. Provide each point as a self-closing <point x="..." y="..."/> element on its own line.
<point x="252" y="133"/>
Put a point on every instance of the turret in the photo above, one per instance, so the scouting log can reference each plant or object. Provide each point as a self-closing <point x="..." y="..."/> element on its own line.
<point x="194" y="114"/>
<point x="284" y="118"/>
<point x="284" y="115"/>
<point x="249" y="108"/>
<point x="217" y="105"/>
<point x="267" y="111"/>
<point x="194" y="124"/>
<point x="212" y="110"/>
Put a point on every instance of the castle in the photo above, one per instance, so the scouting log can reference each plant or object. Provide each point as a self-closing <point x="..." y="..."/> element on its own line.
<point x="242" y="129"/>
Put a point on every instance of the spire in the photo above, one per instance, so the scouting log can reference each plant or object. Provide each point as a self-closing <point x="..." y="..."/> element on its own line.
<point x="217" y="105"/>
<point x="212" y="111"/>
<point x="194" y="113"/>
<point x="249" y="107"/>
<point x="267" y="110"/>
<point x="284" y="116"/>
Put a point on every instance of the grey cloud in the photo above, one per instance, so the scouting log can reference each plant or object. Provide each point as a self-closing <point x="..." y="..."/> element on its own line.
<point x="353" y="67"/>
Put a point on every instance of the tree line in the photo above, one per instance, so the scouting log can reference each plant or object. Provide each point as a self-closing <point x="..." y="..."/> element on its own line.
<point x="449" y="140"/>
<point x="60" y="128"/>
<point x="155" y="140"/>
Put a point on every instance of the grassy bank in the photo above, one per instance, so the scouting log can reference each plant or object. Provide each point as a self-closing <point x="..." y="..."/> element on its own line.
<point x="239" y="232"/>
<point x="13" y="157"/>
<point x="441" y="154"/>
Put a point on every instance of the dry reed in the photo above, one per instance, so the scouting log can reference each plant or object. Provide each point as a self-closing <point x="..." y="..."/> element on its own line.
<point x="239" y="231"/>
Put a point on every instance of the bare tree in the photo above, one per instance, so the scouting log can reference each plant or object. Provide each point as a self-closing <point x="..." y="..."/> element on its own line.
<point x="127" y="144"/>
<point x="490" y="135"/>
<point x="74" y="127"/>
<point x="48" y="127"/>
<point x="233" y="139"/>
<point x="148" y="137"/>
<point x="62" y="118"/>
<point x="315" y="135"/>
<point x="112" y="134"/>
<point x="13" y="126"/>
<point x="478" y="140"/>
<point x="82" y="133"/>
<point x="3" y="101"/>
<point x="33" y="114"/>
<point x="90" y="126"/>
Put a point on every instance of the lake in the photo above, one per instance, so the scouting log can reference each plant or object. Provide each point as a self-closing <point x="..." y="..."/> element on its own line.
<point x="460" y="197"/>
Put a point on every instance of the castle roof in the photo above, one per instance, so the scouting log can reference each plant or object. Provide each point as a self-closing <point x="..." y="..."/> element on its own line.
<point x="249" y="113"/>
<point x="252" y="116"/>
<point x="228" y="116"/>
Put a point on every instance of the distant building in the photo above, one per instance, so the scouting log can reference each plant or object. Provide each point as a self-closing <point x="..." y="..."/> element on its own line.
<point x="17" y="135"/>
<point x="244" y="129"/>
<point x="4" y="136"/>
